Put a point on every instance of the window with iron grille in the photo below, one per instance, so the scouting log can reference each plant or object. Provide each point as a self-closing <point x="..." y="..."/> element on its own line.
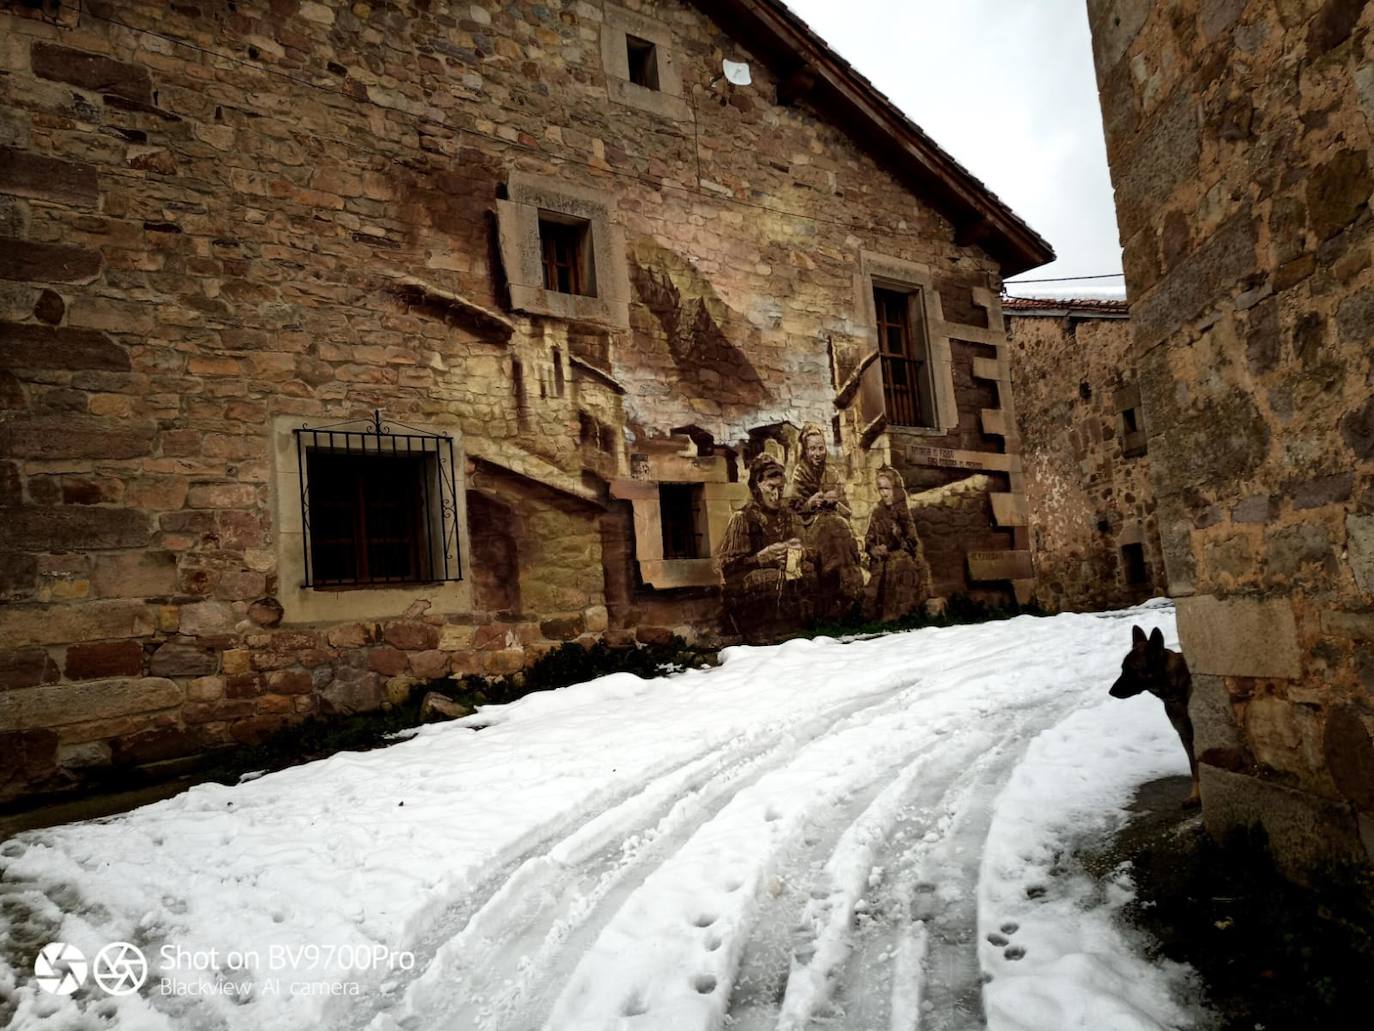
<point x="683" y="514"/>
<point x="563" y="244"/>
<point x="903" y="350"/>
<point x="377" y="506"/>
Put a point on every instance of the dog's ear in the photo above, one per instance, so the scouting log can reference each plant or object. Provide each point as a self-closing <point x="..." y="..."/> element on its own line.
<point x="1157" y="640"/>
<point x="1137" y="635"/>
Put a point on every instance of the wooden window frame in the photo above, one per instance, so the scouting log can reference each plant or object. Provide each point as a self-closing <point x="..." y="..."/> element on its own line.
<point x="904" y="352"/>
<point x="565" y="246"/>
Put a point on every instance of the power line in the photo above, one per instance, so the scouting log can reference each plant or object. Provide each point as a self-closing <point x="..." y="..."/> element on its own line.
<point x="1064" y="279"/>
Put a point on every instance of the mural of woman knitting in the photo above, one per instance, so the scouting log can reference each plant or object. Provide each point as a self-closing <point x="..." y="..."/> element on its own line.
<point x="789" y="558"/>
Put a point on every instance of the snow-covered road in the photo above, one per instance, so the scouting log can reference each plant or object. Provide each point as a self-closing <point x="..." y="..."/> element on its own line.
<point x="859" y="835"/>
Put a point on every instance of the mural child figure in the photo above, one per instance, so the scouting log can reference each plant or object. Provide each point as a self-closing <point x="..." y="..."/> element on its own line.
<point x="900" y="577"/>
<point x="767" y="571"/>
<point x="817" y="496"/>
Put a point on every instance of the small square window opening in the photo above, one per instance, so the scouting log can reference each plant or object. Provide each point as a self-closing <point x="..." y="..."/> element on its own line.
<point x="1129" y="420"/>
<point x="564" y="245"/>
<point x="683" y="520"/>
<point x="643" y="60"/>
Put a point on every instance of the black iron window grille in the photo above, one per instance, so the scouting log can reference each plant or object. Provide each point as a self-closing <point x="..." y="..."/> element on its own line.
<point x="378" y="505"/>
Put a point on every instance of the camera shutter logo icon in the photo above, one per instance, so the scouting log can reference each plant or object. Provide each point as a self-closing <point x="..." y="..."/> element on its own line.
<point x="120" y="968"/>
<point x="59" y="968"/>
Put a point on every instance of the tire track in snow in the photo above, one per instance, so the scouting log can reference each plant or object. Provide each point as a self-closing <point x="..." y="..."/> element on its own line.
<point x="682" y="978"/>
<point x="499" y="967"/>
<point x="797" y="965"/>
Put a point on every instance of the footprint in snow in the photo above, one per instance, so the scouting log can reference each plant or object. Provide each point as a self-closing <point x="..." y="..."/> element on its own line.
<point x="996" y="939"/>
<point x="1014" y="952"/>
<point x="705" y="984"/>
<point x="635" y="1006"/>
<point x="1010" y="927"/>
<point x="704" y="920"/>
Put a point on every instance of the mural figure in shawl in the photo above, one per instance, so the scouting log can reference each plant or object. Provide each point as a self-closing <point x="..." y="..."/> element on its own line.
<point x="767" y="571"/>
<point x="900" y="578"/>
<point x="818" y="499"/>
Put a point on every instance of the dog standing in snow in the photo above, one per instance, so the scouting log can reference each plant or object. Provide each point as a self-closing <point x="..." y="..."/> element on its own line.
<point x="1149" y="666"/>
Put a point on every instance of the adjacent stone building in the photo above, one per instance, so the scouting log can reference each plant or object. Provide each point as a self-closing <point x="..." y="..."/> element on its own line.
<point x="344" y="346"/>
<point x="1093" y="533"/>
<point x="1239" y="139"/>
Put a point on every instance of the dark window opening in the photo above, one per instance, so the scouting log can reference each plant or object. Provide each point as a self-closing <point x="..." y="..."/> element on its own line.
<point x="1129" y="421"/>
<point x="564" y="246"/>
<point x="377" y="507"/>
<point x="683" y="520"/>
<point x="643" y="57"/>
<point x="1133" y="564"/>
<point x="367" y="522"/>
<point x="1085" y="391"/>
<point x="902" y="350"/>
<point x="559" y="381"/>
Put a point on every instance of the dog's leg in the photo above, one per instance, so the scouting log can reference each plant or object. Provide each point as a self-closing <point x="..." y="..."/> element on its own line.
<point x="1178" y="716"/>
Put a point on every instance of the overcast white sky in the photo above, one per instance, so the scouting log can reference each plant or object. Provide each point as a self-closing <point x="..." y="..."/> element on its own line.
<point x="1007" y="88"/>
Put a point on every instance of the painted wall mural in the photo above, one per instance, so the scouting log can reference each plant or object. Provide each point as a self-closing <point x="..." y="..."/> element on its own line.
<point x="790" y="557"/>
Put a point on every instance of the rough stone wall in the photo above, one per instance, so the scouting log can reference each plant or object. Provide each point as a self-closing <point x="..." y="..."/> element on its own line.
<point x="1087" y="475"/>
<point x="292" y="213"/>
<point x="1239" y="139"/>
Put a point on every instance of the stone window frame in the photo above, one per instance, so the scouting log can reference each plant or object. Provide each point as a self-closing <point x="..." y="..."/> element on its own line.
<point x="530" y="197"/>
<point x="303" y="604"/>
<point x="1134" y="444"/>
<point x="720" y="496"/>
<point x="669" y="100"/>
<point x="890" y="272"/>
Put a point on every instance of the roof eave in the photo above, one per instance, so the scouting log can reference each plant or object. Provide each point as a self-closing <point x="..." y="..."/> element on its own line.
<point x="826" y="80"/>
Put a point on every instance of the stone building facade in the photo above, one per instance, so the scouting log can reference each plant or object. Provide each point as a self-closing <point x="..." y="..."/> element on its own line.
<point x="1239" y="139"/>
<point x="343" y="348"/>
<point x="1093" y="533"/>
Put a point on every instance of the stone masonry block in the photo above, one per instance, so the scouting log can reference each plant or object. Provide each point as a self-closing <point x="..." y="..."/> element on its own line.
<point x="1239" y="637"/>
<point x="28" y="261"/>
<point x="104" y="659"/>
<point x="22" y="625"/>
<point x="74" y="528"/>
<point x="1216" y="735"/>
<point x="1305" y="832"/>
<point x="92" y="72"/>
<point x="55" y="705"/>
<point x="24" y="174"/>
<point x="25" y="346"/>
